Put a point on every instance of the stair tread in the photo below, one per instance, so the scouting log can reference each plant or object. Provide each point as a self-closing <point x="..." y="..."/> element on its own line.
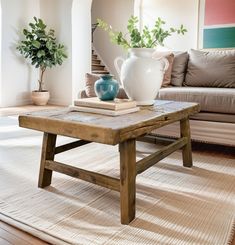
<point x="95" y="60"/>
<point x="98" y="65"/>
<point x="100" y="72"/>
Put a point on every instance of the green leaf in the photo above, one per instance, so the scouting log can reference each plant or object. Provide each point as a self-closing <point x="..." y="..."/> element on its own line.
<point x="41" y="53"/>
<point x="36" y="44"/>
<point x="32" y="25"/>
<point x="41" y="24"/>
<point x="34" y="61"/>
<point x="25" y="32"/>
<point x="49" y="45"/>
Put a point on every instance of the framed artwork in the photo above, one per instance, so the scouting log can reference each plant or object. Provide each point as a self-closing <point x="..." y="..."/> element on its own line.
<point x="216" y="24"/>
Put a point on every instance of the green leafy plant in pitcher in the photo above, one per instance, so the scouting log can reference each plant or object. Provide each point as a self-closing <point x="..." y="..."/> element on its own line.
<point x="134" y="38"/>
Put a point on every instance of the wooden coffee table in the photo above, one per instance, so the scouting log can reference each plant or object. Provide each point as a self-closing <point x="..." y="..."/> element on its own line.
<point x="123" y="130"/>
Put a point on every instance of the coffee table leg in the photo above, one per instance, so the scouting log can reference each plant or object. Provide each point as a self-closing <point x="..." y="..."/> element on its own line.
<point x="48" y="153"/>
<point x="127" y="180"/>
<point x="187" y="149"/>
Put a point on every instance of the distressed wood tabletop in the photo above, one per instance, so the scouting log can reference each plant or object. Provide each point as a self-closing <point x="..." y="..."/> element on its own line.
<point x="107" y="129"/>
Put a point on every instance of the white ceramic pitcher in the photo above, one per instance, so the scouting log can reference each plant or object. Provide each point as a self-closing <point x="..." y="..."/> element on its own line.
<point x="141" y="75"/>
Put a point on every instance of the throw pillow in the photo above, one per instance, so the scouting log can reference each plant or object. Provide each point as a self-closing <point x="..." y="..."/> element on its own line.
<point x="211" y="69"/>
<point x="170" y="57"/>
<point x="178" y="68"/>
<point x="90" y="80"/>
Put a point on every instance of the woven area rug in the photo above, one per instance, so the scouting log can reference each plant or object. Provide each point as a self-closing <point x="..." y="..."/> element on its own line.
<point x="175" y="205"/>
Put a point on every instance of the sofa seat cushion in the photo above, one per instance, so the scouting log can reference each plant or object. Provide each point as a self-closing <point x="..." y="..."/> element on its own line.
<point x="219" y="100"/>
<point x="214" y="117"/>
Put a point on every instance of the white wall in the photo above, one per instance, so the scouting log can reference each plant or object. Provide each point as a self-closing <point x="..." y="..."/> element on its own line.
<point x="81" y="43"/>
<point x="17" y="78"/>
<point x="174" y="13"/>
<point x="71" y="20"/>
<point x="58" y="80"/>
<point x="116" y="13"/>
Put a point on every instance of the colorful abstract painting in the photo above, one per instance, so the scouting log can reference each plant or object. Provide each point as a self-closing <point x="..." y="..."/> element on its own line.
<point x="217" y="24"/>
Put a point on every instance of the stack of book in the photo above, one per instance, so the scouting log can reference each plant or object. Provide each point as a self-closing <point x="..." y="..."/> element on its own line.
<point x="114" y="107"/>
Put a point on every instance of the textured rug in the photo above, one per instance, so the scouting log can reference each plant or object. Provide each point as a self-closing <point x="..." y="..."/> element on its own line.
<point x="175" y="205"/>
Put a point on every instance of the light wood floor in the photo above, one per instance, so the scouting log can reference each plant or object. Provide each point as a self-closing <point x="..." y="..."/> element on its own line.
<point x="9" y="111"/>
<point x="10" y="235"/>
<point x="13" y="236"/>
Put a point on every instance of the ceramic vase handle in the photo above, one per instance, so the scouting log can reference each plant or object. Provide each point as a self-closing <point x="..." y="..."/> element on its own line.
<point x="116" y="65"/>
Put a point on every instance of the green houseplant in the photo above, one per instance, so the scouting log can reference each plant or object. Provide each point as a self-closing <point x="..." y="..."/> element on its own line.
<point x="147" y="38"/>
<point x="42" y="49"/>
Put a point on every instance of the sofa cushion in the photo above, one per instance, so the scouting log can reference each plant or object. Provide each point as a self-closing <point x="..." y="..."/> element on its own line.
<point x="178" y="68"/>
<point x="90" y="80"/>
<point x="219" y="100"/>
<point x="170" y="57"/>
<point x="214" y="117"/>
<point x="211" y="69"/>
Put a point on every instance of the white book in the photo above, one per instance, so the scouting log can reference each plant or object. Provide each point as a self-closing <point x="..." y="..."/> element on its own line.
<point x="116" y="104"/>
<point x="103" y="111"/>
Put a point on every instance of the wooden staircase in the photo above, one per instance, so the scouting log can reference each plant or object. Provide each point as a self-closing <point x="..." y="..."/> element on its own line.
<point x="97" y="67"/>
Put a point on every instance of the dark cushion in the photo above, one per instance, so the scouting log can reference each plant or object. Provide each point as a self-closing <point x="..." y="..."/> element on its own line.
<point x="178" y="68"/>
<point x="219" y="100"/>
<point x="211" y="69"/>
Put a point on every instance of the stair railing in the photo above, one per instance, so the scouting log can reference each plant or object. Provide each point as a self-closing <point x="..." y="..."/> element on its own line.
<point x="93" y="28"/>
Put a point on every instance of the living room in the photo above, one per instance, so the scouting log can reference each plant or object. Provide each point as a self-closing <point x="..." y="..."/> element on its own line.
<point x="187" y="195"/>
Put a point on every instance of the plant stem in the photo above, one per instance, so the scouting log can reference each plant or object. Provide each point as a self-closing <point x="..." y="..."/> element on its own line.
<point x="40" y="81"/>
<point x="153" y="43"/>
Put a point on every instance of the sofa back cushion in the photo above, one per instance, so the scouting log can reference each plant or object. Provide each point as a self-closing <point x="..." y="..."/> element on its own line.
<point x="179" y="67"/>
<point x="211" y="69"/>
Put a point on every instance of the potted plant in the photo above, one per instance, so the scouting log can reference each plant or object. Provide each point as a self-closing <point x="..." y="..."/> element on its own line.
<point x="41" y="47"/>
<point x="141" y="75"/>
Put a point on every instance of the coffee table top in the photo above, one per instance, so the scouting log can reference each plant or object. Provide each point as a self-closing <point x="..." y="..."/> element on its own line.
<point x="107" y="129"/>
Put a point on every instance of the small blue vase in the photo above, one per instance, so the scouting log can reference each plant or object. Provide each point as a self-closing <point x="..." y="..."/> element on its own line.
<point x="106" y="88"/>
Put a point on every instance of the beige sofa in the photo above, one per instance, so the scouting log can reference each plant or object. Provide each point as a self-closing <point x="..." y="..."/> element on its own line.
<point x="208" y="78"/>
